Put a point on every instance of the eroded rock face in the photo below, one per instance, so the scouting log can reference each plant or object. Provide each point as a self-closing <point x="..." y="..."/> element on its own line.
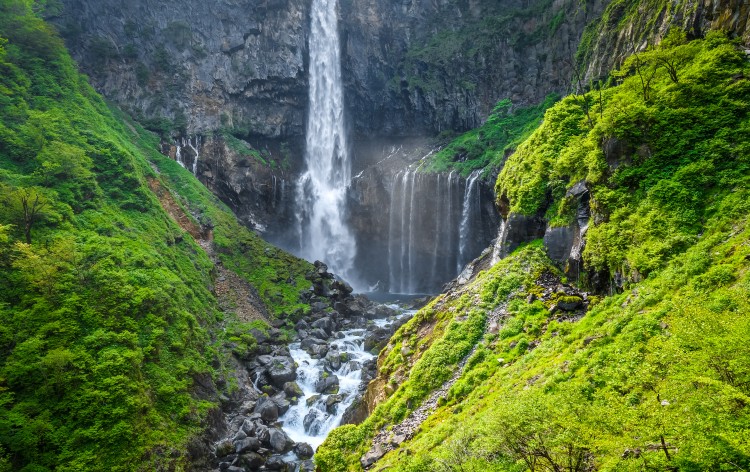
<point x="243" y="64"/>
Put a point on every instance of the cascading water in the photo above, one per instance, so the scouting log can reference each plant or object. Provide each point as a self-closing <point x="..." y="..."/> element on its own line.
<point x="321" y="190"/>
<point x="315" y="415"/>
<point x="195" y="150"/>
<point x="470" y="205"/>
<point x="436" y="226"/>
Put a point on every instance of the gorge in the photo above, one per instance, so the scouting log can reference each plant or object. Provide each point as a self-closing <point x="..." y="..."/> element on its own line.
<point x="346" y="235"/>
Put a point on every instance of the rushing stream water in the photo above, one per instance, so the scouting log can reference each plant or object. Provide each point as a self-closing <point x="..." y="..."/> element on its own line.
<point x="315" y="415"/>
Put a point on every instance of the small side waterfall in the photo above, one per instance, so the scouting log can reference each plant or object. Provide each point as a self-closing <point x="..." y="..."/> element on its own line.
<point x="195" y="149"/>
<point x="321" y="190"/>
<point x="470" y="207"/>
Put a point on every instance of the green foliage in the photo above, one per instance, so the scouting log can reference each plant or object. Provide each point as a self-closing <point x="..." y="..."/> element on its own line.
<point x="457" y="325"/>
<point x="655" y="378"/>
<point x="664" y="147"/>
<point x="487" y="147"/>
<point x="106" y="312"/>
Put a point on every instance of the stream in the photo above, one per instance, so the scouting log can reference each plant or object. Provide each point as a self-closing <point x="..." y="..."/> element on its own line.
<point x="314" y="416"/>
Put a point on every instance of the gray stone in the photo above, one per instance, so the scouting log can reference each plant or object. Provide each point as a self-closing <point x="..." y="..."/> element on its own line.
<point x="372" y="456"/>
<point x="251" y="460"/>
<point x="267" y="409"/>
<point x="247" y="444"/>
<point x="327" y="384"/>
<point x="282" y="370"/>
<point x="279" y="441"/>
<point x="303" y="450"/>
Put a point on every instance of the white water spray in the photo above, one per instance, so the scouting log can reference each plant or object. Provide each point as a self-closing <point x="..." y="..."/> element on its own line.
<point x="321" y="190"/>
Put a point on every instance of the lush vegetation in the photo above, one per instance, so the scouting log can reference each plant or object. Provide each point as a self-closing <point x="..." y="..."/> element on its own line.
<point x="488" y="146"/>
<point x="660" y="152"/>
<point x="106" y="309"/>
<point x="653" y="378"/>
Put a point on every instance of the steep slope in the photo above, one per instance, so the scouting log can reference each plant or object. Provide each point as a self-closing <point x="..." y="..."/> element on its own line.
<point x="111" y="334"/>
<point x="521" y="371"/>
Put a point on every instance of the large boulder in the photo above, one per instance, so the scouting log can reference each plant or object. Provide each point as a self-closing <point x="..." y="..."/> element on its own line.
<point x="247" y="444"/>
<point x="303" y="450"/>
<point x="267" y="409"/>
<point x="279" y="441"/>
<point x="281" y="370"/>
<point x="327" y="384"/>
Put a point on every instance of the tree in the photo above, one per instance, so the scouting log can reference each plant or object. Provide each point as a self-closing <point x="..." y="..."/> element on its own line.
<point x="29" y="204"/>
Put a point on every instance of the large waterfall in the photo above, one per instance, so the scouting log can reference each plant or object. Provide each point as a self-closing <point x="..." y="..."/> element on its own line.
<point x="321" y="190"/>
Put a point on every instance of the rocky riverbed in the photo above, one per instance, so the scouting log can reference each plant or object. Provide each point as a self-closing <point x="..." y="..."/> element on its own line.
<point x="290" y="395"/>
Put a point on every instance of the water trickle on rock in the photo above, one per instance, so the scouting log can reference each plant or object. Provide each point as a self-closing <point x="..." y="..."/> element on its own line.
<point x="321" y="190"/>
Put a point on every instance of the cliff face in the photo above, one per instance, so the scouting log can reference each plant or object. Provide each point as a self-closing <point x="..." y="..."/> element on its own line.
<point x="203" y="65"/>
<point x="633" y="25"/>
<point x="411" y="68"/>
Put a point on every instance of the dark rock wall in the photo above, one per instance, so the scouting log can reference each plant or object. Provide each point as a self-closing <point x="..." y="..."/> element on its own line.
<point x="411" y="67"/>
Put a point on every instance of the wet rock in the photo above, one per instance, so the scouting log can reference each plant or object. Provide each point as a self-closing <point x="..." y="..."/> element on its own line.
<point x="281" y="402"/>
<point x="333" y="359"/>
<point x="312" y="400"/>
<point x="331" y="402"/>
<point x="301" y="325"/>
<point x="377" y="338"/>
<point x="282" y="370"/>
<point x="267" y="409"/>
<point x="277" y="463"/>
<point x="311" y="422"/>
<point x="247" y="444"/>
<point x="324" y="324"/>
<point x="251" y="461"/>
<point x="327" y="384"/>
<point x="303" y="450"/>
<point x="293" y="392"/>
<point x="279" y="441"/>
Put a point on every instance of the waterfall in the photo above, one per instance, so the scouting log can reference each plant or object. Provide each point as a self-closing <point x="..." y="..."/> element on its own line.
<point x="321" y="190"/>
<point x="178" y="156"/>
<point x="195" y="150"/>
<point x="497" y="247"/>
<point x="434" y="229"/>
<point x="470" y="205"/>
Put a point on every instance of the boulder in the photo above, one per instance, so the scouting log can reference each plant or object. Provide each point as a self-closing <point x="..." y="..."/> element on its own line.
<point x="279" y="441"/>
<point x="251" y="461"/>
<point x="281" y="370"/>
<point x="277" y="463"/>
<point x="327" y="384"/>
<point x="293" y="391"/>
<point x="324" y="324"/>
<point x="247" y="444"/>
<point x="267" y="409"/>
<point x="303" y="450"/>
<point x="372" y="456"/>
<point x="281" y="402"/>
<point x="331" y="403"/>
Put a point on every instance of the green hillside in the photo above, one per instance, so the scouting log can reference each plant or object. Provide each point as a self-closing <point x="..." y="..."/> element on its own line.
<point x="655" y="374"/>
<point x="107" y="316"/>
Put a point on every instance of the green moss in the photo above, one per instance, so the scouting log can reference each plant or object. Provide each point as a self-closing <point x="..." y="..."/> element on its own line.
<point x="107" y="317"/>
<point x="488" y="146"/>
